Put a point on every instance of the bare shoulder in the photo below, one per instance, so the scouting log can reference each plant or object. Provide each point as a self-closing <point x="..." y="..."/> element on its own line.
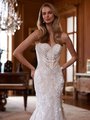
<point x="37" y="34"/>
<point x="34" y="37"/>
<point x="64" y="37"/>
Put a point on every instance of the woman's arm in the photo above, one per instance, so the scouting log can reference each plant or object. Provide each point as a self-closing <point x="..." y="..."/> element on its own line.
<point x="66" y="40"/>
<point x="18" y="52"/>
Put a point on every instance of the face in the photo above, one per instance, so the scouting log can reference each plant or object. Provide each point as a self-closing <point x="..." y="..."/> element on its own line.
<point x="47" y="15"/>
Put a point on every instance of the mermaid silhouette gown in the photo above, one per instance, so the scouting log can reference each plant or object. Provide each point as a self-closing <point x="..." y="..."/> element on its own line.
<point x="48" y="81"/>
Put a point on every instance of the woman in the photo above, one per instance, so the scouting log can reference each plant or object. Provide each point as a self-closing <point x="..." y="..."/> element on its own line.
<point x="48" y="78"/>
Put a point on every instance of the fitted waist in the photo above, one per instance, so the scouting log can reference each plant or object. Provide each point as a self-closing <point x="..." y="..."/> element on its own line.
<point x="50" y="64"/>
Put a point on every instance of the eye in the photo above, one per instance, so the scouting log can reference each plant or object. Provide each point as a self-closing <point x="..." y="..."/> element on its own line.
<point x="50" y="12"/>
<point x="43" y="13"/>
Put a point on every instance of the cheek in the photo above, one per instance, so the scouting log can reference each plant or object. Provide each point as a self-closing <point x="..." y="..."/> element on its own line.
<point x="43" y="17"/>
<point x="52" y="17"/>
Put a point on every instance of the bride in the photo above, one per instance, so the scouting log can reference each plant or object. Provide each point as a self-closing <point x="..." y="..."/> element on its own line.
<point x="48" y="76"/>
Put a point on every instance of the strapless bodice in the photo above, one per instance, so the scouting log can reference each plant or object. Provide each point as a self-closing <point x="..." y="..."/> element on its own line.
<point x="48" y="55"/>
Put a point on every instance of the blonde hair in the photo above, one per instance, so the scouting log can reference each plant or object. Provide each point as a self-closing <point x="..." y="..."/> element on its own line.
<point x="56" y="24"/>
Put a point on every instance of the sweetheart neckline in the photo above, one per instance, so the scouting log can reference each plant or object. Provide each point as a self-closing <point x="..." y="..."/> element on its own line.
<point x="50" y="45"/>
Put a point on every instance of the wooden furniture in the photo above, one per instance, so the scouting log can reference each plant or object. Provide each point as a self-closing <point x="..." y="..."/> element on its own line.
<point x="82" y="83"/>
<point x="13" y="81"/>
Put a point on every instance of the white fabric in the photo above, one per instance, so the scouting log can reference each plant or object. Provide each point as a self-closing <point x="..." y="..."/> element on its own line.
<point x="48" y="81"/>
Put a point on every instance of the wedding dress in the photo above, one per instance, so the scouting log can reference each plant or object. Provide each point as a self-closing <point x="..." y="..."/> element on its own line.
<point x="48" y="81"/>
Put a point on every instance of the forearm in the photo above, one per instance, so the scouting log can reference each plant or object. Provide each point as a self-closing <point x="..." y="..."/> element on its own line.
<point x="23" y="60"/>
<point x="68" y="63"/>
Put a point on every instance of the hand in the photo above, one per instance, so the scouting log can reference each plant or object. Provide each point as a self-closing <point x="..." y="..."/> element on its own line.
<point x="62" y="68"/>
<point x="32" y="73"/>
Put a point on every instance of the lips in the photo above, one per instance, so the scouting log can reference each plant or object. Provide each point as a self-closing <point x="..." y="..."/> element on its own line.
<point x="47" y="19"/>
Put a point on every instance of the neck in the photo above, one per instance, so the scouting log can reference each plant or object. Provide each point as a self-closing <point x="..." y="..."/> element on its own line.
<point x="49" y="28"/>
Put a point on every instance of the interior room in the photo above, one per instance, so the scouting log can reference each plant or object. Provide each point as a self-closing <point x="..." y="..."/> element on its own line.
<point x="15" y="79"/>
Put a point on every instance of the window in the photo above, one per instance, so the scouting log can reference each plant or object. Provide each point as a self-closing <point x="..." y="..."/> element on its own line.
<point x="72" y="32"/>
<point x="5" y="47"/>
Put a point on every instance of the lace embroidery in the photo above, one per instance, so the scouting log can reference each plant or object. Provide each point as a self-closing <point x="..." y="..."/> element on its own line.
<point x="48" y="81"/>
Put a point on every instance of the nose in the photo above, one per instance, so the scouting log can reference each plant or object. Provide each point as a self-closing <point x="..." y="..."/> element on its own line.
<point x="47" y="15"/>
